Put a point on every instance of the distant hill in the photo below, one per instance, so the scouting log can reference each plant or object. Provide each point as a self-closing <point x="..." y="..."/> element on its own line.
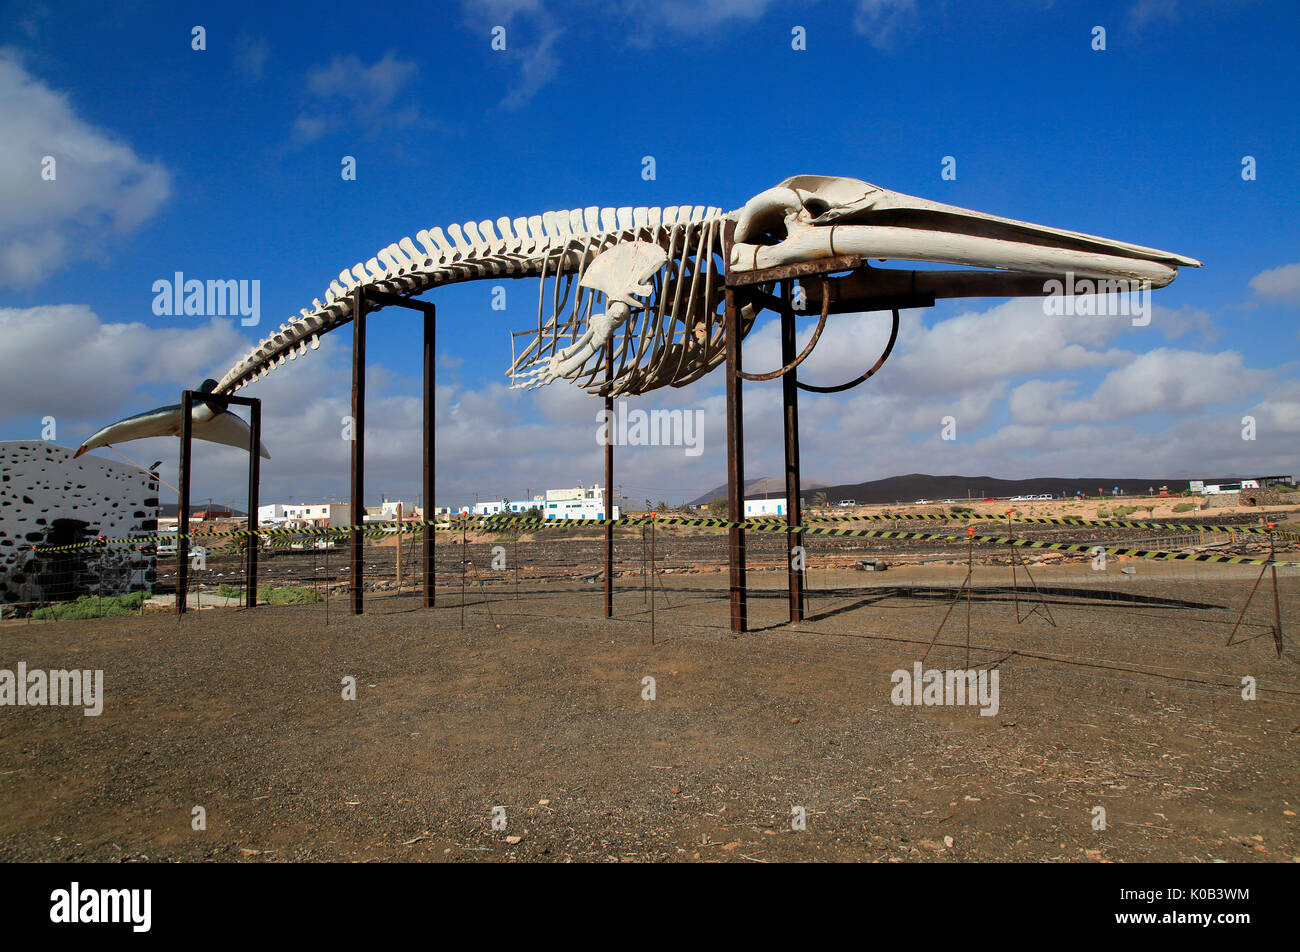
<point x="171" y="510"/>
<point x="909" y="488"/>
<point x="769" y="485"/>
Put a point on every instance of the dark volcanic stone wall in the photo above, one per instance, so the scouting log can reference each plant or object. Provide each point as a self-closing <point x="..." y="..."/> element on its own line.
<point x="48" y="498"/>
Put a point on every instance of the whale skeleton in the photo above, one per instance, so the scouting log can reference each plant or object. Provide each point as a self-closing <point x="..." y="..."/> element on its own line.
<point x="662" y="323"/>
<point x="657" y="275"/>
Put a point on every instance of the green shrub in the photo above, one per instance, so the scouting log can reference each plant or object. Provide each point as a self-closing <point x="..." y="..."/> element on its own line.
<point x="273" y="594"/>
<point x="287" y="595"/>
<point x="1184" y="506"/>
<point x="92" y="606"/>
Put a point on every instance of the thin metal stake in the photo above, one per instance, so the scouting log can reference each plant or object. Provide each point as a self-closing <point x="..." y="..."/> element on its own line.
<point x="964" y="585"/>
<point x="652" y="580"/>
<point x="970" y="571"/>
<point x="1015" y="588"/>
<point x="1277" y="613"/>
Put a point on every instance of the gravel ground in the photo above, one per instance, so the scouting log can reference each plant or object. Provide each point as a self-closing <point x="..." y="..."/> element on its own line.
<point x="1127" y="700"/>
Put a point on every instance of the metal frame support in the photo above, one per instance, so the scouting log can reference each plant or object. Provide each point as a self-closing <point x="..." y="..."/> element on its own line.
<point x="735" y="466"/>
<point x="366" y="300"/>
<point x="183" y="512"/>
<point x="790" y="419"/>
<point x="609" y="481"/>
<point x="426" y="492"/>
<point x="878" y="290"/>
<point x="254" y="480"/>
<point x="357" y="511"/>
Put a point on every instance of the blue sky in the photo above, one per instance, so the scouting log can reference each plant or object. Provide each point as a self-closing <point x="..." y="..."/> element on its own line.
<point x="225" y="163"/>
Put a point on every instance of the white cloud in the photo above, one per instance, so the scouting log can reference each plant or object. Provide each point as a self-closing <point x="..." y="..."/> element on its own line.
<point x="369" y="97"/>
<point x="694" y="15"/>
<point x="1279" y="284"/>
<point x="882" y="21"/>
<point x="251" y="54"/>
<point x="537" y="67"/>
<point x="1163" y="381"/>
<point x="1143" y="12"/>
<point x="971" y="349"/>
<point x="530" y="52"/>
<point x="61" y="360"/>
<point x="1185" y="320"/>
<point x="101" y="189"/>
<point x="500" y="11"/>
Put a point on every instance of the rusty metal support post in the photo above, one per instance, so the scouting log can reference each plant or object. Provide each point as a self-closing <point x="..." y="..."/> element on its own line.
<point x="793" y="510"/>
<point x="356" y="566"/>
<point x="401" y="541"/>
<point x="254" y="478"/>
<point x="428" y="514"/>
<point x="183" y="513"/>
<point x="1277" y="609"/>
<point x="735" y="464"/>
<point x="609" y="480"/>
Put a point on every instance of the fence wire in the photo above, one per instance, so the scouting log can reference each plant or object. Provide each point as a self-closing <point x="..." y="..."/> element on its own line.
<point x="1108" y="633"/>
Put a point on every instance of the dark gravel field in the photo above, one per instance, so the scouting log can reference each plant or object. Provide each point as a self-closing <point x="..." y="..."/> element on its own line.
<point x="1118" y="693"/>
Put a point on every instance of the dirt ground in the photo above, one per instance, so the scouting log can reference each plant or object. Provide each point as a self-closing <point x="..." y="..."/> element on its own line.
<point x="1127" y="700"/>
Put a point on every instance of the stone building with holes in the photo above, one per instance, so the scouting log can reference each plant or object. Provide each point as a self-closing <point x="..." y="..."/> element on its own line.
<point x="47" y="498"/>
<point x="1265" y="496"/>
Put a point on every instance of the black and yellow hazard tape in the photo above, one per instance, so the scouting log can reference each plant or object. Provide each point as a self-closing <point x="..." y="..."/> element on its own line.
<point x="288" y="537"/>
<point x="502" y="521"/>
<point x="1041" y="520"/>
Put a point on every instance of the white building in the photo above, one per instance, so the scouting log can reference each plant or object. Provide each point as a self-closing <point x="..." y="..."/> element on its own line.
<point x="578" y="502"/>
<point x="576" y="509"/>
<point x="593" y="493"/>
<point x="764" y="507"/>
<point x="577" y="492"/>
<point x="387" y="511"/>
<point x="272" y="514"/>
<point x="323" y="515"/>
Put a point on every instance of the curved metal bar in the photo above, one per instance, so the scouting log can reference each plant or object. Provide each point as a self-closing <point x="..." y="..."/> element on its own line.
<point x="821" y="326"/>
<point x="893" y="336"/>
